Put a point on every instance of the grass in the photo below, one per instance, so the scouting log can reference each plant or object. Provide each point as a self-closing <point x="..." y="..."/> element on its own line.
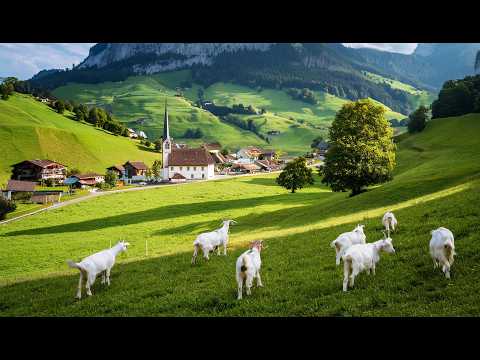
<point x="143" y="97"/>
<point x="436" y="183"/>
<point x="31" y="130"/>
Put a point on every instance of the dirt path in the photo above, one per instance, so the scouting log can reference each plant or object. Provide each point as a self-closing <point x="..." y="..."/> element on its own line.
<point x="104" y="193"/>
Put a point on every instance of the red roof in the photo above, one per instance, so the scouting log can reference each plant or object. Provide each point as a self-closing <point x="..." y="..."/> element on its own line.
<point x="192" y="157"/>
<point x="139" y="165"/>
<point x="17" y="185"/>
<point x="116" y="167"/>
<point x="41" y="163"/>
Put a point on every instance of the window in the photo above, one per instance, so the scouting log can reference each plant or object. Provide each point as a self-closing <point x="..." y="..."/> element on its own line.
<point x="188" y="168"/>
<point x="191" y="176"/>
<point x="194" y="168"/>
<point x="181" y="167"/>
<point x="203" y="176"/>
<point x="172" y="168"/>
<point x="203" y="168"/>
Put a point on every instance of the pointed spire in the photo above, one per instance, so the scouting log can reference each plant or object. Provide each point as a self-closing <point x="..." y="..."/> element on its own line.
<point x="166" y="131"/>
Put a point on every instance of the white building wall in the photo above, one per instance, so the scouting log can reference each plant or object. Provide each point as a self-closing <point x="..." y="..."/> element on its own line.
<point x="194" y="172"/>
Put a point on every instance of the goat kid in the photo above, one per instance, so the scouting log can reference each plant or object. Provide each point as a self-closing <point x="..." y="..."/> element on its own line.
<point x="98" y="263"/>
<point x="210" y="241"/>
<point x="248" y="268"/>
<point x="345" y="240"/>
<point x="389" y="221"/>
<point x="363" y="257"/>
<point x="442" y="249"/>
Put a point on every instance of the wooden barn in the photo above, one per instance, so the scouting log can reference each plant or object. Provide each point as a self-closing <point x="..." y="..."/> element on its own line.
<point x="38" y="170"/>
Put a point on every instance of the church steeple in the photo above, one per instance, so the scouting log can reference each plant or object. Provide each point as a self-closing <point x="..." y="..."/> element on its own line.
<point x="166" y="131"/>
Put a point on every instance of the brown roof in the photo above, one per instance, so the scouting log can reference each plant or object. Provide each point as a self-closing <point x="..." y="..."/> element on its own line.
<point x="181" y="157"/>
<point x="178" y="176"/>
<point x="116" y="167"/>
<point x="139" y="165"/>
<point x="88" y="182"/>
<point x="87" y="176"/>
<point x="17" y="185"/>
<point x="246" y="166"/>
<point x="41" y="163"/>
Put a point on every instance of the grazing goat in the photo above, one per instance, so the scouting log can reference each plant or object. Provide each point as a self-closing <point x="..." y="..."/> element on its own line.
<point x="442" y="249"/>
<point x="100" y="262"/>
<point x="248" y="267"/>
<point x="361" y="257"/>
<point x="389" y="221"/>
<point x="345" y="240"/>
<point x="210" y="241"/>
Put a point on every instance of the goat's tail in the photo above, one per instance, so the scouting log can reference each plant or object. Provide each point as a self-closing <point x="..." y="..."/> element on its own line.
<point x="74" y="265"/>
<point x="243" y="268"/>
<point x="333" y="243"/>
<point x="347" y="263"/>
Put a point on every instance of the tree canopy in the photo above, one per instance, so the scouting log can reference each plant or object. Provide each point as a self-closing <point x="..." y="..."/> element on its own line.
<point x="418" y="120"/>
<point x="362" y="151"/>
<point x="296" y="175"/>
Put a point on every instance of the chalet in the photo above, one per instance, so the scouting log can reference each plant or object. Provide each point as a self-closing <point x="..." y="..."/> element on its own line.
<point x="268" y="155"/>
<point x="250" y="152"/>
<point x="142" y="135"/>
<point x="245" y="168"/>
<point x="132" y="134"/>
<point x="16" y="186"/>
<point x="89" y="179"/>
<point x="322" y="148"/>
<point x="135" y="171"/>
<point x="267" y="165"/>
<point x="38" y="170"/>
<point x="117" y="169"/>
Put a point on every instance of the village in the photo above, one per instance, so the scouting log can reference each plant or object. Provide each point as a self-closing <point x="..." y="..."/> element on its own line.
<point x="45" y="181"/>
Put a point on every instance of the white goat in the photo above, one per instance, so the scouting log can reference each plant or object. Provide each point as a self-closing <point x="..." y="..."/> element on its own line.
<point x="361" y="257"/>
<point x="345" y="240"/>
<point x="100" y="262"/>
<point x="248" y="267"/>
<point x="212" y="240"/>
<point x="442" y="249"/>
<point x="389" y="221"/>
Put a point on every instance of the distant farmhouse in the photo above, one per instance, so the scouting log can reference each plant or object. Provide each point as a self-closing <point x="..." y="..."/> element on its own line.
<point x="39" y="170"/>
<point x="85" y="180"/>
<point x="178" y="163"/>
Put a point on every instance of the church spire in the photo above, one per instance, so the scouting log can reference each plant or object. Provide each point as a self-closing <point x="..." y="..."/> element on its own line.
<point x="166" y="131"/>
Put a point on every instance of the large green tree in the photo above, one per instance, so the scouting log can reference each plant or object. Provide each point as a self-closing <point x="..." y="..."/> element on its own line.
<point x="362" y="151"/>
<point x="418" y="120"/>
<point x="296" y="175"/>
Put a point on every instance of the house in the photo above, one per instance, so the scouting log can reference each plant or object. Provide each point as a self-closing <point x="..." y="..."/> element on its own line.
<point x="117" y="169"/>
<point x="132" y="134"/>
<point x="193" y="164"/>
<point x="322" y="148"/>
<point x="178" y="178"/>
<point x="135" y="171"/>
<point x="16" y="186"/>
<point x="89" y="179"/>
<point x="268" y="155"/>
<point x="142" y="135"/>
<point x="38" y="170"/>
<point x="245" y="168"/>
<point x="267" y="165"/>
<point x="250" y="152"/>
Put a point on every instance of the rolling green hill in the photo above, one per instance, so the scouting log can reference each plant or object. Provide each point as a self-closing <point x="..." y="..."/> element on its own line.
<point x="32" y="130"/>
<point x="436" y="183"/>
<point x="143" y="97"/>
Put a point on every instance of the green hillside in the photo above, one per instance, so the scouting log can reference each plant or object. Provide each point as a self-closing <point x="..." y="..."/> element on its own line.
<point x="32" y="130"/>
<point x="436" y="183"/>
<point x="143" y="97"/>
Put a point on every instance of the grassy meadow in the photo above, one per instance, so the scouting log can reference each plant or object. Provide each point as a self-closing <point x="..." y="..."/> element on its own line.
<point x="32" y="130"/>
<point x="436" y="183"/>
<point x="143" y="97"/>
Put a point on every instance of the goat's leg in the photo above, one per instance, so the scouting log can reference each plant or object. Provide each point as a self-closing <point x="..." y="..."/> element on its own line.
<point x="218" y="250"/>
<point x="373" y="268"/>
<point x="108" y="276"/>
<point x="79" y="291"/>
<point x="345" y="281"/>
<point x="240" y="287"/>
<point x="90" y="282"/>
<point x="446" y="269"/>
<point x="259" y="280"/>
<point x="103" y="277"/>
<point x="249" y="284"/>
<point x="337" y="259"/>
<point x="225" y="249"/>
<point x="205" y="254"/>
<point x="352" y="278"/>
<point x="195" y="253"/>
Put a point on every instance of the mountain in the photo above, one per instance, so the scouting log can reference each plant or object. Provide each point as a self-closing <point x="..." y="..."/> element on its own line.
<point x="330" y="68"/>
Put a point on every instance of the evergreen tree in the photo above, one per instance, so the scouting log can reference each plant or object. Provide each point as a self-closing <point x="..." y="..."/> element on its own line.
<point x="362" y="151"/>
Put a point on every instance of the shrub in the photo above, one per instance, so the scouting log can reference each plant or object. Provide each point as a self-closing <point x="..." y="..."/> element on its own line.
<point x="6" y="206"/>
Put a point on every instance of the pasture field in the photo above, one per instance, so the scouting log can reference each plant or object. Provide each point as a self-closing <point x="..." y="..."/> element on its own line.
<point x="436" y="183"/>
<point x="143" y="98"/>
<point x="32" y="130"/>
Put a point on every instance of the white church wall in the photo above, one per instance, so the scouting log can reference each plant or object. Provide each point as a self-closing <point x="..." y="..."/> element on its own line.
<point x="193" y="172"/>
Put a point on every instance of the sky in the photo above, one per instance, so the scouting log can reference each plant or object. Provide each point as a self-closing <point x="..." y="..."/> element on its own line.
<point x="23" y="60"/>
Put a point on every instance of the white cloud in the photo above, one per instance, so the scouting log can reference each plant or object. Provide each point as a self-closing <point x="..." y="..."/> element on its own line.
<point x="24" y="60"/>
<point x="403" y="48"/>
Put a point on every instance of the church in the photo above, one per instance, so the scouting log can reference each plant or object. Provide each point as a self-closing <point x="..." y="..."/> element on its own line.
<point x="179" y="163"/>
